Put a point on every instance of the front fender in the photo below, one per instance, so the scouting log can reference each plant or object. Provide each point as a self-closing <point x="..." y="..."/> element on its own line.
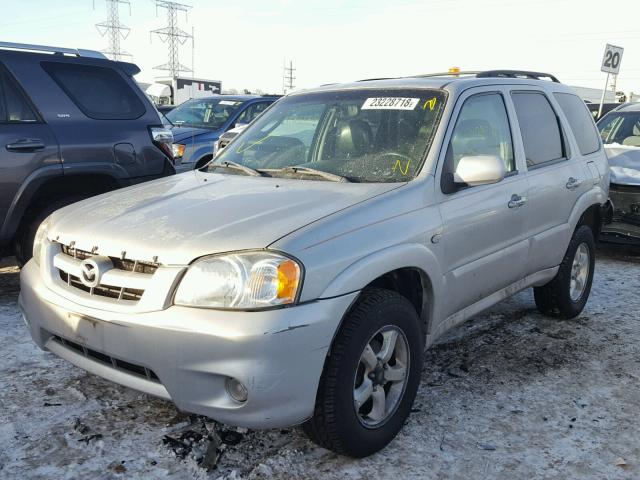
<point x="412" y="255"/>
<point x="194" y="152"/>
<point x="359" y="274"/>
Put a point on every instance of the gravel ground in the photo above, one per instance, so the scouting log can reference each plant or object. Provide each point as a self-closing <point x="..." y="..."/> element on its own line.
<point x="510" y="394"/>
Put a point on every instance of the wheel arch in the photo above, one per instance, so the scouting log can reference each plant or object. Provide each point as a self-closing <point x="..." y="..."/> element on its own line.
<point x="47" y="183"/>
<point x="410" y="270"/>
<point x="588" y="211"/>
<point x="592" y="217"/>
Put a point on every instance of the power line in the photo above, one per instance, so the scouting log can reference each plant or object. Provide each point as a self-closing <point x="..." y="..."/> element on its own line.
<point x="173" y="36"/>
<point x="114" y="30"/>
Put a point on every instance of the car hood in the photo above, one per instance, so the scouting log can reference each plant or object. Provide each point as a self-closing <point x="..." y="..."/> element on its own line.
<point x="182" y="133"/>
<point x="182" y="217"/>
<point x="624" y="162"/>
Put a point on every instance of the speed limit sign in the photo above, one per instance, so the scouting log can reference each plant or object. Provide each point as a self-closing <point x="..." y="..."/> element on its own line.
<point x="612" y="58"/>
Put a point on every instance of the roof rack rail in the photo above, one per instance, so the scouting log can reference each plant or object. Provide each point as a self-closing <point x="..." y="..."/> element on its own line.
<point x="371" y="79"/>
<point x="445" y="74"/>
<point x="517" y="74"/>
<point x="59" y="50"/>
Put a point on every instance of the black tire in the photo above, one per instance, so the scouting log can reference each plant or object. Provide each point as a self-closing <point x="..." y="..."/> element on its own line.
<point x="34" y="217"/>
<point x="335" y="424"/>
<point x="554" y="298"/>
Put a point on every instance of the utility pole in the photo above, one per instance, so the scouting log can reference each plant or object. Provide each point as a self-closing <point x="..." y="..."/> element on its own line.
<point x="288" y="78"/>
<point x="173" y="36"/>
<point x="614" y="82"/>
<point x="114" y="30"/>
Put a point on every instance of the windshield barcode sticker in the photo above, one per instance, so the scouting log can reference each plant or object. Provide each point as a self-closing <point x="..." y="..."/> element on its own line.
<point x="390" y="103"/>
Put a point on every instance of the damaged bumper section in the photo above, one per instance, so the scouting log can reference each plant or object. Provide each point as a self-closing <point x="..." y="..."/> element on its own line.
<point x="190" y="355"/>
<point x="624" y="225"/>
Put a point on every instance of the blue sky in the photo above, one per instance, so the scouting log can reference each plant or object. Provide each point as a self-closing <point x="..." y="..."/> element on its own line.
<point x="244" y="43"/>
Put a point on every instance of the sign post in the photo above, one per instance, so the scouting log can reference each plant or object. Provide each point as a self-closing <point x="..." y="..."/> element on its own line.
<point x="610" y="64"/>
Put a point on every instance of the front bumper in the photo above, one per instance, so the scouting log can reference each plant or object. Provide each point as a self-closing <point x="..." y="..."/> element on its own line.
<point x="277" y="354"/>
<point x="624" y="224"/>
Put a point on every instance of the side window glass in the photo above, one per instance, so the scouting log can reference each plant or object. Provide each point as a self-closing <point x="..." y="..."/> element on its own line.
<point x="482" y="128"/>
<point x="250" y="114"/>
<point x="539" y="127"/>
<point x="247" y="115"/>
<point x="99" y="92"/>
<point x="581" y="123"/>
<point x="609" y="130"/>
<point x="15" y="108"/>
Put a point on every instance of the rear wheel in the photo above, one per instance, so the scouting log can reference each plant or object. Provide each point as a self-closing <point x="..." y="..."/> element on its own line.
<point x="371" y="377"/>
<point x="31" y="222"/>
<point x="566" y="295"/>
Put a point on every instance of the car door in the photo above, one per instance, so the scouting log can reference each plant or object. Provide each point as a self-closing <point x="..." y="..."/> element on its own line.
<point x="483" y="242"/>
<point x="556" y="175"/>
<point x="26" y="142"/>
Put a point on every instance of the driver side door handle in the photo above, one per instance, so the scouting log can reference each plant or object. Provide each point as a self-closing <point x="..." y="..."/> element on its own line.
<point x="517" y="201"/>
<point x="573" y="183"/>
<point x="25" y="145"/>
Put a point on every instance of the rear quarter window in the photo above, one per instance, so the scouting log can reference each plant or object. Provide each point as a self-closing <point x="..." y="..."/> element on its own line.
<point x="581" y="123"/>
<point x="99" y="92"/>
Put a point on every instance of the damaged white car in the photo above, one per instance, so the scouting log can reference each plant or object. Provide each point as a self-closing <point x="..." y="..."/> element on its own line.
<point x="620" y="131"/>
<point x="300" y="276"/>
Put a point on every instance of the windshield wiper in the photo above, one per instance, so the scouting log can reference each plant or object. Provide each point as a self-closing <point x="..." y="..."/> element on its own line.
<point x="310" y="171"/>
<point x="236" y="166"/>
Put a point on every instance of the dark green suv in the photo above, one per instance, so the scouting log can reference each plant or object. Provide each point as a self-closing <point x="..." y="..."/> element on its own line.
<point x="73" y="124"/>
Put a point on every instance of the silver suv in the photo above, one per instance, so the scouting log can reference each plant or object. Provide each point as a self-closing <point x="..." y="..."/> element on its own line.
<point x="298" y="277"/>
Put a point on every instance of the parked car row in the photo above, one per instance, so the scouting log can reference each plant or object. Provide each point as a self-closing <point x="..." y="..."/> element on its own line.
<point x="298" y="276"/>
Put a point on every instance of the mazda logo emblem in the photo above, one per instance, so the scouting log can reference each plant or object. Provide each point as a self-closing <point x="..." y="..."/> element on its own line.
<point x="92" y="269"/>
<point x="88" y="272"/>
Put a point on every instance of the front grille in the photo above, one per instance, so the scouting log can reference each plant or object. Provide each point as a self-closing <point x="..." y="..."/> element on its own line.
<point x="108" y="360"/>
<point x="118" y="263"/>
<point x="116" y="292"/>
<point x="109" y="291"/>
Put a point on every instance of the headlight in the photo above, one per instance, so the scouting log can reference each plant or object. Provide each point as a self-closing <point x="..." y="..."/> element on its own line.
<point x="41" y="235"/>
<point x="177" y="149"/>
<point x="244" y="280"/>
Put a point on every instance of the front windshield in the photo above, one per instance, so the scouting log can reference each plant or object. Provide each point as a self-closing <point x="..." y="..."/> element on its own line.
<point x="211" y="113"/>
<point x="622" y="128"/>
<point x="360" y="135"/>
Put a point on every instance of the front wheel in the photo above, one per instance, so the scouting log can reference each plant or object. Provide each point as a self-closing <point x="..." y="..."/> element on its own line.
<point x="566" y="295"/>
<point x="370" y="378"/>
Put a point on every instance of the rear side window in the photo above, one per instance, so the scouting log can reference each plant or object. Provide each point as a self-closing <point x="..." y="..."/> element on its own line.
<point x="14" y="106"/>
<point x="539" y="127"/>
<point x="100" y="92"/>
<point x="581" y="123"/>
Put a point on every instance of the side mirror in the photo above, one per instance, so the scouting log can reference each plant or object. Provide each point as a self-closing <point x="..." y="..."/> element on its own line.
<point x="479" y="170"/>
<point x="240" y="124"/>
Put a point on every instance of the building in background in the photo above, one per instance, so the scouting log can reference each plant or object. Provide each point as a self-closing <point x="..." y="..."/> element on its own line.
<point x="176" y="90"/>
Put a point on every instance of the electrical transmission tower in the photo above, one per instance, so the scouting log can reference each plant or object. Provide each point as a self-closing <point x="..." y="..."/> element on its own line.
<point x="173" y="36"/>
<point x="114" y="30"/>
<point x="288" y="78"/>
